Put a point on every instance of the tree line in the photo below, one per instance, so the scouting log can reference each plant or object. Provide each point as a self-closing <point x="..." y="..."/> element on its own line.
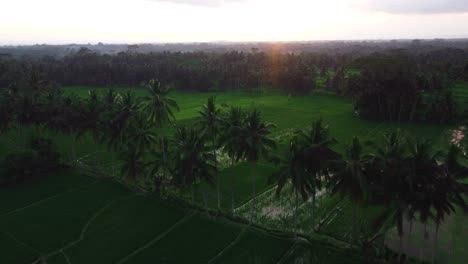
<point x="394" y="85"/>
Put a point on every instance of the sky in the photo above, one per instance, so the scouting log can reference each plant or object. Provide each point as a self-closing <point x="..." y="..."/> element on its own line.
<point x="156" y="21"/>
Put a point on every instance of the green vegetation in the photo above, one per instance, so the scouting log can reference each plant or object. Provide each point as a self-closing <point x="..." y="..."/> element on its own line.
<point x="108" y="224"/>
<point x="190" y="157"/>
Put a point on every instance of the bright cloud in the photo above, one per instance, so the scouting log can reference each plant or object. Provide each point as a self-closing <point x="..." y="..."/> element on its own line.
<point x="201" y="2"/>
<point x="137" y="21"/>
<point x="415" y="6"/>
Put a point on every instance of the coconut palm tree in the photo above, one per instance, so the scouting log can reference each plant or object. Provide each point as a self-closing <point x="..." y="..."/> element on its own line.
<point x="255" y="143"/>
<point x="110" y="99"/>
<point x="452" y="162"/>
<point x="230" y="139"/>
<point x="230" y="132"/>
<point x="140" y="133"/>
<point x="350" y="176"/>
<point x="432" y="191"/>
<point x="159" y="110"/>
<point x="6" y="111"/>
<point x="157" y="158"/>
<point x="119" y="120"/>
<point x="391" y="184"/>
<point x="317" y="156"/>
<point x="68" y="121"/>
<point x="91" y="114"/>
<point x="133" y="163"/>
<point x="158" y="106"/>
<point x="192" y="159"/>
<point x="210" y="121"/>
<point x="291" y="169"/>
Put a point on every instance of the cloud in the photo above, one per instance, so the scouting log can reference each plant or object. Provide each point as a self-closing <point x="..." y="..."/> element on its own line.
<point x="200" y="2"/>
<point x="415" y="6"/>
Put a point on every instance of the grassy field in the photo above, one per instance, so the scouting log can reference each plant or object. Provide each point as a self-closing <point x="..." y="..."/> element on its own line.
<point x="70" y="218"/>
<point x="295" y="112"/>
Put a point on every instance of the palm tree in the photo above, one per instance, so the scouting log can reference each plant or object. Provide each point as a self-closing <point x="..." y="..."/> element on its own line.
<point x="192" y="159"/>
<point x="119" y="120"/>
<point x="317" y="156"/>
<point x="350" y="175"/>
<point x="432" y="191"/>
<point x="140" y="133"/>
<point x="6" y="110"/>
<point x="110" y="99"/>
<point x="159" y="109"/>
<point x="255" y="143"/>
<point x="452" y="163"/>
<point x="158" y="106"/>
<point x="210" y="121"/>
<point x="133" y="163"/>
<point x="291" y="169"/>
<point x="68" y="121"/>
<point x="157" y="158"/>
<point x="391" y="186"/>
<point x="91" y="115"/>
<point x="230" y="139"/>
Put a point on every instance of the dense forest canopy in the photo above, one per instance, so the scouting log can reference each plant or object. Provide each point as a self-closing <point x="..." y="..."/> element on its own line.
<point x="415" y="75"/>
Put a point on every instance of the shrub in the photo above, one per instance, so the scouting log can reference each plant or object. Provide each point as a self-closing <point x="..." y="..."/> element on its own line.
<point x="41" y="157"/>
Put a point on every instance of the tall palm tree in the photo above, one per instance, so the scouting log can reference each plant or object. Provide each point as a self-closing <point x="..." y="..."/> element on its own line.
<point x="159" y="109"/>
<point x="317" y="155"/>
<point x="230" y="132"/>
<point x="133" y="163"/>
<point x="350" y="175"/>
<point x="91" y="114"/>
<point x="255" y="143"/>
<point x="452" y="162"/>
<point x="432" y="191"/>
<point x="192" y="159"/>
<point x="391" y="186"/>
<point x="140" y="133"/>
<point x="110" y="99"/>
<point x="158" y="106"/>
<point x="157" y="158"/>
<point x="68" y="121"/>
<point x="6" y="111"/>
<point x="230" y="139"/>
<point x="210" y="121"/>
<point x="119" y="120"/>
<point x="291" y="169"/>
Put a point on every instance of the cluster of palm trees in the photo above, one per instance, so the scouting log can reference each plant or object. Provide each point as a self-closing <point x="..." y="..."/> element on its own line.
<point x="407" y="177"/>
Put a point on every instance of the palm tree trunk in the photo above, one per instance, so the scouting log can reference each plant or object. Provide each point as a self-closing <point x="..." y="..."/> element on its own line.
<point x="252" y="205"/>
<point x="164" y="164"/>
<point x="400" y="251"/>
<point x="313" y="209"/>
<point x="355" y="221"/>
<point x="74" y="150"/>
<point x="193" y="192"/>
<point x="232" y="187"/>
<point x="205" y="201"/>
<point x="436" y="237"/>
<point x="216" y="173"/>
<point x="295" y="214"/>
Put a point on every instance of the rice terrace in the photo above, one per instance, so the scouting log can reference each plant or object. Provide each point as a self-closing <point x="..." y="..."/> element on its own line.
<point x="176" y="149"/>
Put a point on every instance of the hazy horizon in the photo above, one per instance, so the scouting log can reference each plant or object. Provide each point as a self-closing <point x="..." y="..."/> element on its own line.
<point x="29" y="22"/>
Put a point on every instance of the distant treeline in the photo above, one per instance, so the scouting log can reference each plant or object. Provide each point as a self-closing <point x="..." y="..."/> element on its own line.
<point x="396" y="84"/>
<point x="184" y="71"/>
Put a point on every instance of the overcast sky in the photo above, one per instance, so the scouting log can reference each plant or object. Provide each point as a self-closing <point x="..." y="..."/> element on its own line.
<point x="145" y="21"/>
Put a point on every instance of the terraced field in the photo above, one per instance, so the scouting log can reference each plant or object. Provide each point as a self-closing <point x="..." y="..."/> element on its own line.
<point x="69" y="218"/>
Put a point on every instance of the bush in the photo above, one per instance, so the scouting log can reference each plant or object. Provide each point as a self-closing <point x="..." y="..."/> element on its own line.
<point x="41" y="157"/>
<point x="47" y="150"/>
